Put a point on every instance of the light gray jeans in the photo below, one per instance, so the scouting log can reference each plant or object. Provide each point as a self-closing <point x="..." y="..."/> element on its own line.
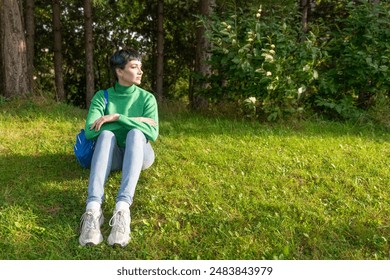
<point x="137" y="155"/>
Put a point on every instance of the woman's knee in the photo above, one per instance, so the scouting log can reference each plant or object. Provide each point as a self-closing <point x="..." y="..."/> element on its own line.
<point x="149" y="156"/>
<point x="106" y="133"/>
<point x="136" y="135"/>
<point x="106" y="137"/>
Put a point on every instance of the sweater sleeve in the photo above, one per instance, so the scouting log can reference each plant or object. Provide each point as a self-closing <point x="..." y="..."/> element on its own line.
<point x="150" y="110"/>
<point x="96" y="110"/>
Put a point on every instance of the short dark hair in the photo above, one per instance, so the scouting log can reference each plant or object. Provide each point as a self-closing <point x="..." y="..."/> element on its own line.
<point x="121" y="57"/>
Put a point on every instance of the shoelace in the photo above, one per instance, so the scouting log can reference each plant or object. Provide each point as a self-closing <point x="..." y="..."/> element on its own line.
<point x="118" y="221"/>
<point x="88" y="220"/>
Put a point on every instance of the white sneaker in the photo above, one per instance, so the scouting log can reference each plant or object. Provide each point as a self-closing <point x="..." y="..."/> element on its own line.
<point x="120" y="232"/>
<point x="90" y="228"/>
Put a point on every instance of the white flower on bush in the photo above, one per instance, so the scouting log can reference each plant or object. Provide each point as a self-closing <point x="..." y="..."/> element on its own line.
<point x="268" y="57"/>
<point x="249" y="107"/>
<point x="315" y="74"/>
<point x="251" y="100"/>
<point x="301" y="90"/>
<point x="268" y="73"/>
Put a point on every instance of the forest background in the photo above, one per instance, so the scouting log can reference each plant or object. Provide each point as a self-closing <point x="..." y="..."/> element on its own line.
<point x="258" y="59"/>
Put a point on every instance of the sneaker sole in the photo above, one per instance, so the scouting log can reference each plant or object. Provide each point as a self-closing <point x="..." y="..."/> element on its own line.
<point x="116" y="245"/>
<point x="91" y="243"/>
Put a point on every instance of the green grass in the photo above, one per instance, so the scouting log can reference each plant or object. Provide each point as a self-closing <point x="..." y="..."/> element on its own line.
<point x="219" y="189"/>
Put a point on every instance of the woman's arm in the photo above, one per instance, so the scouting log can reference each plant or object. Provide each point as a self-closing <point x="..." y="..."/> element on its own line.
<point x="96" y="117"/>
<point x="147" y="123"/>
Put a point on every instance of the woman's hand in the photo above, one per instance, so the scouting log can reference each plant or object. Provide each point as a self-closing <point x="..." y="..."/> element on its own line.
<point x="146" y="120"/>
<point x="104" y="119"/>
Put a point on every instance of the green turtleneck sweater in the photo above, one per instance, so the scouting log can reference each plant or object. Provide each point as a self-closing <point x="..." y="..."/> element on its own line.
<point x="130" y="103"/>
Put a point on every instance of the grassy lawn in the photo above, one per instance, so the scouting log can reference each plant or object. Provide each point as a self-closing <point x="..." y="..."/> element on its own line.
<point x="219" y="189"/>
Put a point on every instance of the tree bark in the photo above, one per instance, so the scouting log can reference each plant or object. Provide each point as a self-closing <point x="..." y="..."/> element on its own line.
<point x="59" y="81"/>
<point x="30" y="40"/>
<point x="90" y="78"/>
<point x="13" y="52"/>
<point x="202" y="55"/>
<point x="305" y="7"/>
<point x="160" y="51"/>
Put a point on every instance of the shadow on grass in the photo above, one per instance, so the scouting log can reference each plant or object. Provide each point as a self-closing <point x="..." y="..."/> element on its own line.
<point x="41" y="198"/>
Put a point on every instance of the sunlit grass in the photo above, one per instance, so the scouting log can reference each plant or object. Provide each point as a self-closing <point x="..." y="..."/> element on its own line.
<point x="219" y="189"/>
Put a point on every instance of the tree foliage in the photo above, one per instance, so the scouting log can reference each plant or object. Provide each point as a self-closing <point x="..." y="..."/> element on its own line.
<point x="274" y="63"/>
<point x="357" y="58"/>
<point x="260" y="60"/>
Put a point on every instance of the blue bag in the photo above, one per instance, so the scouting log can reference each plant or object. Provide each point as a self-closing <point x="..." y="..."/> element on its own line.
<point x="84" y="148"/>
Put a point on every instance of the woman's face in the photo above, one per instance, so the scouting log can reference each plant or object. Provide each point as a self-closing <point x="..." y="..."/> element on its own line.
<point x="131" y="74"/>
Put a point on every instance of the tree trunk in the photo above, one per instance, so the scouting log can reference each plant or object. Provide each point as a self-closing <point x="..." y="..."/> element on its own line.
<point x="30" y="40"/>
<point x="90" y="78"/>
<point x="59" y="81"/>
<point x="160" y="51"/>
<point x="305" y="8"/>
<point x="201" y="56"/>
<point x="13" y="52"/>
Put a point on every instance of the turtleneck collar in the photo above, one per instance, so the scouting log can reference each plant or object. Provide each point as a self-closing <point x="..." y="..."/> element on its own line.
<point x="124" y="89"/>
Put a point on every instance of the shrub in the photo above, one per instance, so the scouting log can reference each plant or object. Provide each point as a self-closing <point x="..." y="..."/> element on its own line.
<point x="357" y="59"/>
<point x="263" y="58"/>
<point x="335" y="69"/>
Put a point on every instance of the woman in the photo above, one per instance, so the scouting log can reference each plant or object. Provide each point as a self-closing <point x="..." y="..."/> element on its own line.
<point x="123" y="131"/>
